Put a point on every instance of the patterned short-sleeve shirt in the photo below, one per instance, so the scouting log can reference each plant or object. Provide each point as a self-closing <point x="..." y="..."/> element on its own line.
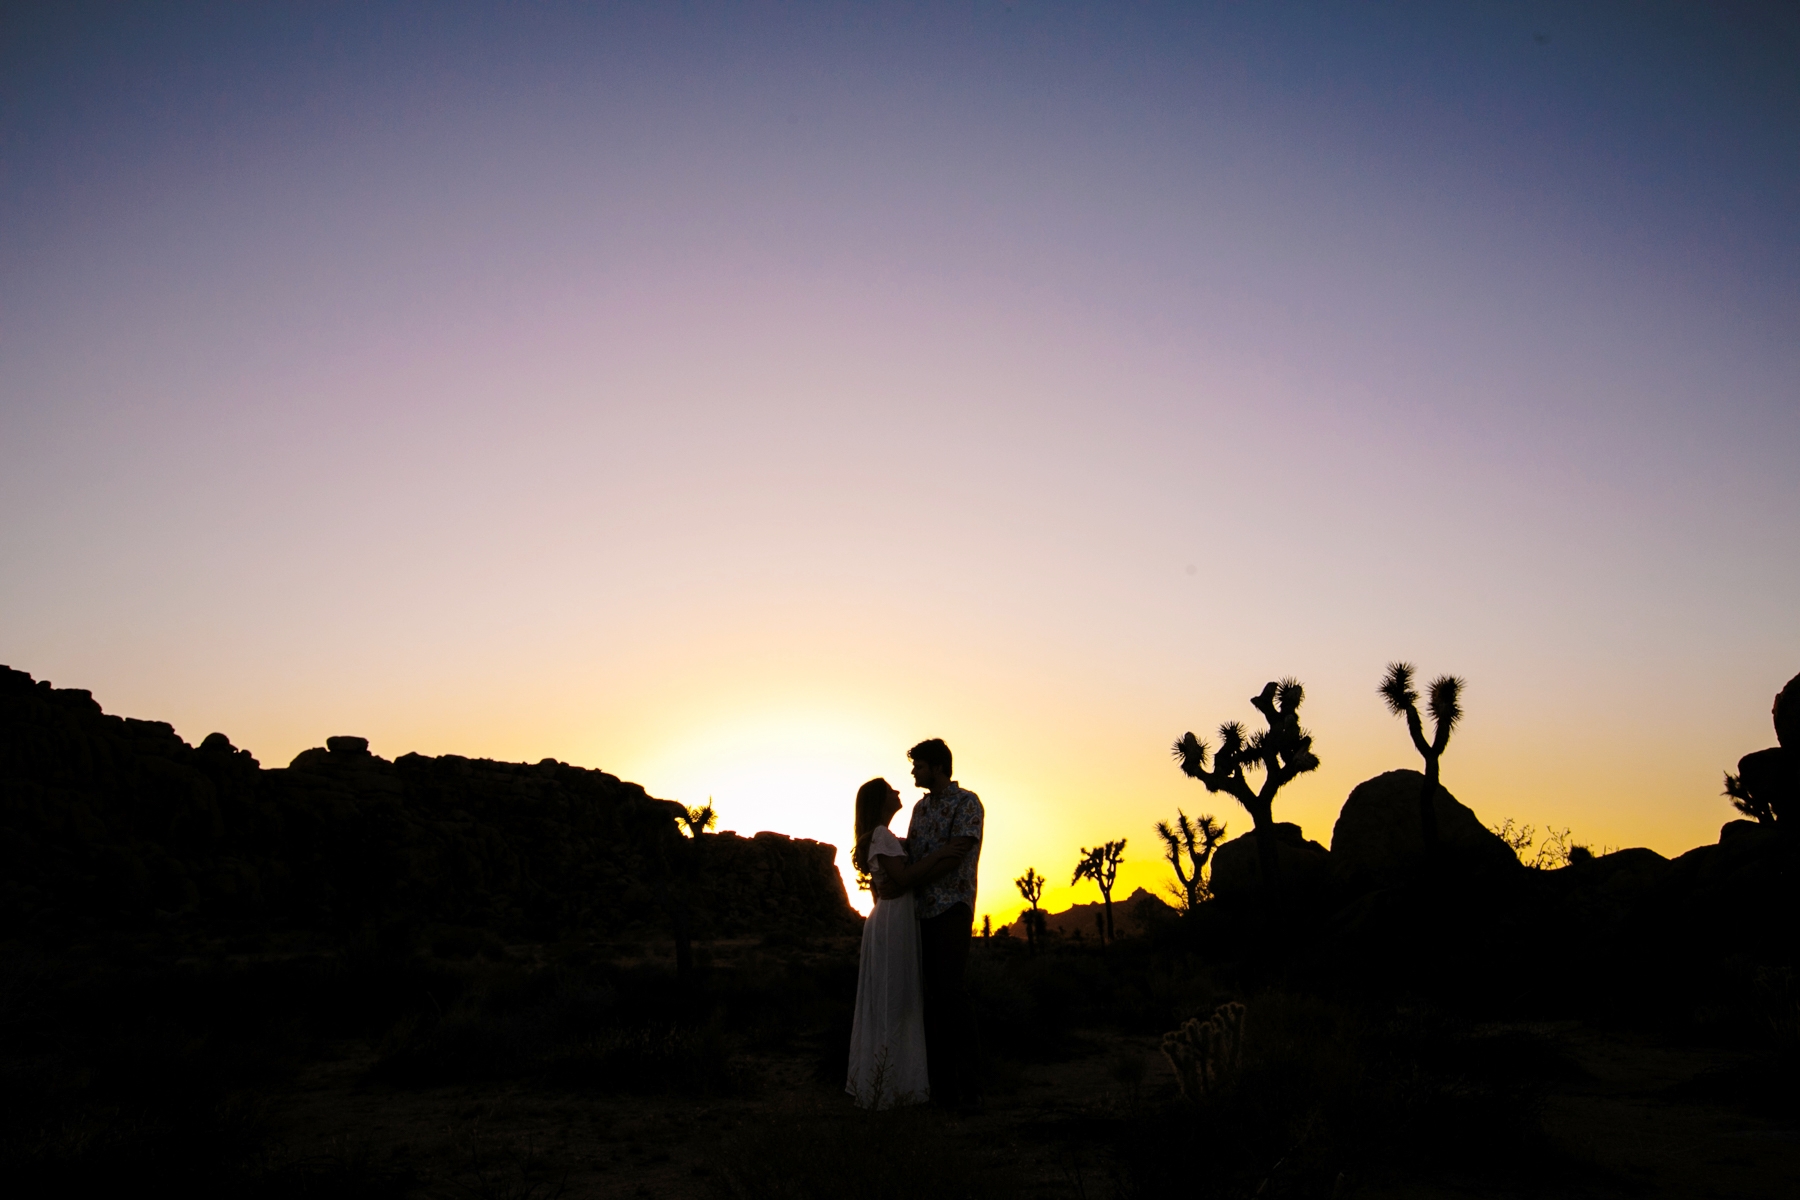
<point x="952" y="813"/>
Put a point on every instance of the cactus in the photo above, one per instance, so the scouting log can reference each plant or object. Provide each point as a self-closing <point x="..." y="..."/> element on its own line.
<point x="1205" y="1054"/>
<point x="1197" y="839"/>
<point x="1446" y="710"/>
<point x="1282" y="751"/>
<point x="1101" y="864"/>
<point x="1031" y="886"/>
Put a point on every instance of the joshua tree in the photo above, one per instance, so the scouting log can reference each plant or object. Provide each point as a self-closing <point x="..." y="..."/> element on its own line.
<point x="1101" y="864"/>
<point x="1031" y="886"/>
<point x="682" y="864"/>
<point x="1446" y="711"/>
<point x="647" y="823"/>
<point x="1745" y="799"/>
<point x="1197" y="839"/>
<point x="1283" y="750"/>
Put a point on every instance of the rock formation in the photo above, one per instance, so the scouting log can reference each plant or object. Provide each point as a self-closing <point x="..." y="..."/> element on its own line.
<point x="1377" y="838"/>
<point x="108" y="823"/>
<point x="1237" y="871"/>
<point x="1767" y="783"/>
<point x="1134" y="915"/>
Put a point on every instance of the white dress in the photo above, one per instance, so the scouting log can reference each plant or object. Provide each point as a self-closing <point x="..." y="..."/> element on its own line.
<point x="887" y="1043"/>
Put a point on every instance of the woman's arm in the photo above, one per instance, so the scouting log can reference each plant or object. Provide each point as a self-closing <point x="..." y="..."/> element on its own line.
<point x="903" y="877"/>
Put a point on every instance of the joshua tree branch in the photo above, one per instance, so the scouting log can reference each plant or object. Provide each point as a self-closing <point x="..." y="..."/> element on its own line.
<point x="1173" y="846"/>
<point x="1446" y="710"/>
<point x="1416" y="727"/>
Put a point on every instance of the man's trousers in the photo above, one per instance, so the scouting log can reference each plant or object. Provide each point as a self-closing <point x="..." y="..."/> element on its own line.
<point x="950" y="1042"/>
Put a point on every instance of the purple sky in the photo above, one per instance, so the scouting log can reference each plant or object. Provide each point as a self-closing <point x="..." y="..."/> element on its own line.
<point x="730" y="396"/>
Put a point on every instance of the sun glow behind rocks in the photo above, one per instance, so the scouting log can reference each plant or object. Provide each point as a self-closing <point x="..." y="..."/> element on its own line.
<point x="790" y="772"/>
<point x="729" y="401"/>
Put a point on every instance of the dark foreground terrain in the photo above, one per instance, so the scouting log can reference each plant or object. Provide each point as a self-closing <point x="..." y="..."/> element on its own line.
<point x="451" y="1065"/>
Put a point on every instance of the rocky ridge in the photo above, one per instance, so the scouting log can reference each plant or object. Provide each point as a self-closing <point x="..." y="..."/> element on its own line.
<point x="112" y="823"/>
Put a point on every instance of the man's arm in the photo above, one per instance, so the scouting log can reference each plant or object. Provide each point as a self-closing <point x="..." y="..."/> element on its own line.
<point x="967" y="822"/>
<point x="943" y="860"/>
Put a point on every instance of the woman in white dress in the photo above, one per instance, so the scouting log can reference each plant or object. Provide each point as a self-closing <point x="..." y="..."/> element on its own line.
<point x="887" y="1043"/>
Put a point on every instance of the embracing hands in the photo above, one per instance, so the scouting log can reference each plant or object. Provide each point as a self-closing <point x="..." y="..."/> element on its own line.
<point x="945" y="859"/>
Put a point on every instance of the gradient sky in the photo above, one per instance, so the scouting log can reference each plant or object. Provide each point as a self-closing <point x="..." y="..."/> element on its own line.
<point x="730" y="396"/>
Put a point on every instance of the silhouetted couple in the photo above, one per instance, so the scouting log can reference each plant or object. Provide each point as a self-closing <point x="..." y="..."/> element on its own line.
<point x="913" y="1039"/>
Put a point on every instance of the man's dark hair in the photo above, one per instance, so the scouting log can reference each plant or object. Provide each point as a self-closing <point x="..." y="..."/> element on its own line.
<point x="931" y="753"/>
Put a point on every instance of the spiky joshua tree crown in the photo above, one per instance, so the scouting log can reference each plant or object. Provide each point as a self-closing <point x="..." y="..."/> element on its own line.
<point x="1282" y="751"/>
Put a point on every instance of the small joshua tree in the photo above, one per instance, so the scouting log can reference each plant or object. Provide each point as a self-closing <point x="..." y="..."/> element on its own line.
<point x="680" y="863"/>
<point x="1446" y="710"/>
<point x="1746" y="801"/>
<point x="1281" y="751"/>
<point x="698" y="820"/>
<point x="1196" y="839"/>
<point x="1031" y="886"/>
<point x="1101" y="864"/>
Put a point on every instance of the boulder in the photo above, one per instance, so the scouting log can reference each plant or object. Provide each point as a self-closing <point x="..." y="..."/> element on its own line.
<point x="1377" y="838"/>
<point x="1769" y="780"/>
<point x="1786" y="714"/>
<point x="1597" y="895"/>
<point x="1772" y="779"/>
<point x="1237" y="865"/>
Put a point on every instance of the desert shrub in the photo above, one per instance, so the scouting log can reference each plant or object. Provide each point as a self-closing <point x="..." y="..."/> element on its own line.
<point x="469" y="1046"/>
<point x="777" y="1003"/>
<point x="106" y="1082"/>
<point x="1027" y="1008"/>
<point x="192" y="1149"/>
<point x="462" y="1048"/>
<point x="345" y="1172"/>
<point x="462" y="941"/>
<point x="1326" y="1093"/>
<point x="501" y="1168"/>
<point x="595" y="1029"/>
<point x="831" y="1058"/>
<point x="1032" y="1008"/>
<point x="898" y="1154"/>
<point x="1453" y="1099"/>
<point x="692" y="1062"/>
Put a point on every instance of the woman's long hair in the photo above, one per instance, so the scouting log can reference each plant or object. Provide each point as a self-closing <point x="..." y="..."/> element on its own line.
<point x="870" y="798"/>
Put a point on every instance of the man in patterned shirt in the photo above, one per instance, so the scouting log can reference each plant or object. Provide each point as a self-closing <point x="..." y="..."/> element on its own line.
<point x="948" y="815"/>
